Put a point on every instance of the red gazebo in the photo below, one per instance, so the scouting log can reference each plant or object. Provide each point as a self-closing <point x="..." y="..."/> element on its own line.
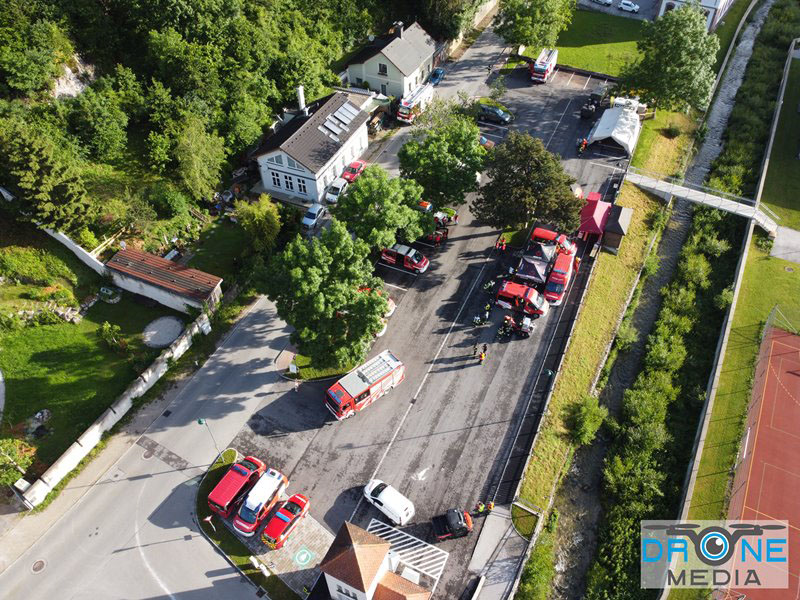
<point x="594" y="216"/>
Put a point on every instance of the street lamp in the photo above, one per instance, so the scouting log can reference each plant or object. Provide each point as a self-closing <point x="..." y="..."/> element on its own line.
<point x="202" y="421"/>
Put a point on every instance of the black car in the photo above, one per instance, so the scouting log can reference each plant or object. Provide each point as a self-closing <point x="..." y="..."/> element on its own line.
<point x="494" y="114"/>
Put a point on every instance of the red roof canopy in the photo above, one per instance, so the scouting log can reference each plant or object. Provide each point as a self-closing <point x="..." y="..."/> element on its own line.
<point x="594" y="216"/>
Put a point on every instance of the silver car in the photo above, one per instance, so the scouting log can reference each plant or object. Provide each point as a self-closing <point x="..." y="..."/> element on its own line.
<point x="313" y="217"/>
<point x="628" y="6"/>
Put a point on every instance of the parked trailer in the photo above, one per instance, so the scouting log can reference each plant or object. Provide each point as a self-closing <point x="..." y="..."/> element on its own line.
<point x="362" y="386"/>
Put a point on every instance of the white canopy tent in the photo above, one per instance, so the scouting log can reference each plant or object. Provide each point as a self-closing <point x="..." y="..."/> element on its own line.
<point x="620" y="124"/>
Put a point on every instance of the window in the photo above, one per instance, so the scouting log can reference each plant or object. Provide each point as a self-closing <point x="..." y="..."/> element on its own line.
<point x="301" y="186"/>
<point x="383" y="89"/>
<point x="279" y="160"/>
<point x="287" y="179"/>
<point x="383" y="69"/>
<point x="345" y="592"/>
<point x="276" y="179"/>
<point x="359" y="81"/>
<point x="291" y="163"/>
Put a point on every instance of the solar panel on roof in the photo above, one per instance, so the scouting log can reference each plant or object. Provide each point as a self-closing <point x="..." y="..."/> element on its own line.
<point x="339" y="122"/>
<point x="345" y="114"/>
<point x="328" y="133"/>
<point x="330" y="124"/>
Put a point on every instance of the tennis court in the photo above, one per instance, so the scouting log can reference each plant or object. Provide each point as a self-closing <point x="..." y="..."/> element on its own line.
<point x="767" y="481"/>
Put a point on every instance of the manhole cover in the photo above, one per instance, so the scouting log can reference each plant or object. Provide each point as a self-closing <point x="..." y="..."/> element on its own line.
<point x="38" y="566"/>
<point x="147" y="454"/>
<point x="789" y="269"/>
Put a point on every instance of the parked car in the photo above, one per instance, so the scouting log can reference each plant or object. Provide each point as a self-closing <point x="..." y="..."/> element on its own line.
<point x="353" y="170"/>
<point x="454" y="523"/>
<point x="265" y="493"/>
<point x="485" y="142"/>
<point x="604" y="2"/>
<point x="405" y="258"/>
<point x="437" y="75"/>
<point x="336" y="190"/>
<point x="313" y="217"/>
<point x="389" y="501"/>
<point x="628" y="6"/>
<point x="494" y="114"/>
<point x="285" y="520"/>
<point x="227" y="494"/>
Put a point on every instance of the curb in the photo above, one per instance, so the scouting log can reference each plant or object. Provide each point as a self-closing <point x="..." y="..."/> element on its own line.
<point x="568" y="69"/>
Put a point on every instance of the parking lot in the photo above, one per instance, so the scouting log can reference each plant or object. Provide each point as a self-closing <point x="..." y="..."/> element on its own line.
<point x="648" y="9"/>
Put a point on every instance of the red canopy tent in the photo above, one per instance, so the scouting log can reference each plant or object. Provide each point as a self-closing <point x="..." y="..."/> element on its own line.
<point x="594" y="215"/>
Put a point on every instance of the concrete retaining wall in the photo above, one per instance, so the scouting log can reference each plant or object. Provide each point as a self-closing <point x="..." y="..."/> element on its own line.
<point x="85" y="257"/>
<point x="37" y="492"/>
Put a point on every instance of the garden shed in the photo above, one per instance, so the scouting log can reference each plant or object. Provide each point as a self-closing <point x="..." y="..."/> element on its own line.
<point x="619" y="220"/>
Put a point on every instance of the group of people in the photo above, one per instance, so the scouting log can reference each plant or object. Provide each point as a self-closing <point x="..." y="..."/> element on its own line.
<point x="481" y="508"/>
<point x="482" y="355"/>
<point x="501" y="244"/>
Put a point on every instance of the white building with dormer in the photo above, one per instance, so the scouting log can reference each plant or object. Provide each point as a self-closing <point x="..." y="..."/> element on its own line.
<point x="714" y="10"/>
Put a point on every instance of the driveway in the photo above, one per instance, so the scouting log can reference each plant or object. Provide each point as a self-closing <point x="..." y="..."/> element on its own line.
<point x="648" y="9"/>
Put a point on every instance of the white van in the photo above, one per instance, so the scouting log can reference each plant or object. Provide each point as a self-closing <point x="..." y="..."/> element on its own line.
<point x="389" y="501"/>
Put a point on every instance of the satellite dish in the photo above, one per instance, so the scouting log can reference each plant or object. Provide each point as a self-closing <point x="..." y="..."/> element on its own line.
<point x="371" y="37"/>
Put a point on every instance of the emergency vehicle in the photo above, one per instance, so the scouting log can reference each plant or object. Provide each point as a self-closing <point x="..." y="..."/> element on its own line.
<point x="361" y="387"/>
<point x="405" y="258"/>
<point x="547" y="236"/>
<point x="519" y="297"/>
<point x="543" y="68"/>
<point x="418" y="101"/>
<point x="557" y="283"/>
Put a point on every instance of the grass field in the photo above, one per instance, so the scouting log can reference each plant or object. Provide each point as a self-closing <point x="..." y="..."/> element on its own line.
<point x="218" y="249"/>
<point x="599" y="42"/>
<point x="782" y="184"/>
<point x="605" y="301"/>
<point x="69" y="370"/>
<point x="227" y="541"/>
<point x="309" y="372"/>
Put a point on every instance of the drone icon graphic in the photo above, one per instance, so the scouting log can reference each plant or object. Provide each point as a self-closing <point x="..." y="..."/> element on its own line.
<point x="713" y="545"/>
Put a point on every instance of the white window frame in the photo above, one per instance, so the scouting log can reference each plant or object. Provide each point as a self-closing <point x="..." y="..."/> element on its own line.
<point x="289" y="181"/>
<point x="301" y="186"/>
<point x="383" y="69"/>
<point x="276" y="179"/>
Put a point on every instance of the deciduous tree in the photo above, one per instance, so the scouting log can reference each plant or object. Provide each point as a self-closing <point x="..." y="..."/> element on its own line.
<point x="318" y="287"/>
<point x="261" y="220"/>
<point x="99" y="121"/>
<point x="527" y="182"/>
<point x="534" y="23"/>
<point x="378" y="209"/>
<point x="200" y="156"/>
<point x="678" y="57"/>
<point x="446" y="161"/>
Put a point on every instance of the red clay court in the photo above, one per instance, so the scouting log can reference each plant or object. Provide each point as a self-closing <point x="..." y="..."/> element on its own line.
<point x="767" y="481"/>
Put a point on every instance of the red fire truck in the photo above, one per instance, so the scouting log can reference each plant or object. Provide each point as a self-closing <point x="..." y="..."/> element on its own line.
<point x="543" y="68"/>
<point x="413" y="105"/>
<point x="559" y="278"/>
<point x="361" y="387"/>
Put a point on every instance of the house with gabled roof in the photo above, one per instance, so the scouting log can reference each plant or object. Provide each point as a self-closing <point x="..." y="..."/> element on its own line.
<point x="311" y="146"/>
<point x="394" y="64"/>
<point x="361" y="566"/>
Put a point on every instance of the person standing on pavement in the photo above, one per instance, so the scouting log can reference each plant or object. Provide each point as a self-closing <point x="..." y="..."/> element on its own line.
<point x="482" y="357"/>
<point x="475" y="350"/>
<point x="485" y="348"/>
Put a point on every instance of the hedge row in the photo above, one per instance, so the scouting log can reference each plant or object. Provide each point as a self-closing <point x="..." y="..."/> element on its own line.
<point x="645" y="466"/>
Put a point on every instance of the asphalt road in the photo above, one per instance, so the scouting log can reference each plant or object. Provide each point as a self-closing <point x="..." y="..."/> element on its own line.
<point x="132" y="535"/>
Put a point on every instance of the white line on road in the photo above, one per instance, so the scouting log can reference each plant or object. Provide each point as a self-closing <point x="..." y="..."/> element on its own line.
<point x="558" y="124"/>
<point x="588" y="79"/>
<point x="570" y="78"/>
<point x="139" y="545"/>
<point x="424" y="379"/>
<point x="383" y="264"/>
<point x="395" y="286"/>
<point x="494" y="135"/>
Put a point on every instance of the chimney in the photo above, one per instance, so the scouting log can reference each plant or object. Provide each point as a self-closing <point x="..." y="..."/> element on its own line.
<point x="398" y="29"/>
<point x="301" y="100"/>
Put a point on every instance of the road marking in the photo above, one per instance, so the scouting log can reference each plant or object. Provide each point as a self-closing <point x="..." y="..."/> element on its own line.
<point x="139" y="547"/>
<point x="558" y="124"/>
<point x="421" y="475"/>
<point x="570" y="78"/>
<point x="588" y="79"/>
<point x="395" y="286"/>
<point x="424" y="379"/>
<point x="486" y="133"/>
<point x="383" y="264"/>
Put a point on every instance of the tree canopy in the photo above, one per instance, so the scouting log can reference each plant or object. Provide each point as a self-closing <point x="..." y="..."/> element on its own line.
<point x="534" y="23"/>
<point x="320" y="288"/>
<point x="677" y="64"/>
<point x="380" y="209"/>
<point x="446" y="161"/>
<point x="526" y="182"/>
<point x="261" y="221"/>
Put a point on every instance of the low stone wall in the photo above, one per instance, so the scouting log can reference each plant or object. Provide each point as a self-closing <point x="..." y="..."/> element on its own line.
<point x="36" y="492"/>
<point x="85" y="257"/>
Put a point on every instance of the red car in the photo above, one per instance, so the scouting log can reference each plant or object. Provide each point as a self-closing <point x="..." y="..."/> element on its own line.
<point x="284" y="521"/>
<point x="353" y="170"/>
<point x="242" y="476"/>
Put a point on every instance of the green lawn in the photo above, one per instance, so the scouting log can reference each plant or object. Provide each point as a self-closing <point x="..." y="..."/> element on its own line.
<point x="727" y="28"/>
<point x="599" y="42"/>
<point x="227" y="541"/>
<point x="782" y="185"/>
<point x="653" y="150"/>
<point x="765" y="283"/>
<point x="69" y="370"/>
<point x="219" y="247"/>
<point x="309" y="372"/>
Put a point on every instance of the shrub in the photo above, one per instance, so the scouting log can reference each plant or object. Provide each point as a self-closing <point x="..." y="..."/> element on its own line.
<point x="651" y="265"/>
<point x="86" y="239"/>
<point x="587" y="418"/>
<point x="763" y="242"/>
<point x="15" y="456"/>
<point x="540" y="570"/>
<point x="627" y="336"/>
<point x="33" y="265"/>
<point x="695" y="269"/>
<point x="724" y="299"/>
<point x="167" y="201"/>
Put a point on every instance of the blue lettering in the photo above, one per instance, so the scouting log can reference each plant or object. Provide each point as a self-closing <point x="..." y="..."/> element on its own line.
<point x="755" y="553"/>
<point x="677" y="546"/>
<point x="651" y="542"/>
<point x="772" y="546"/>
